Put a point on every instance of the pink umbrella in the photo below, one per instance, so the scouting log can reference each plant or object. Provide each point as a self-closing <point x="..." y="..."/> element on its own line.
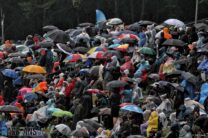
<point x="124" y="104"/>
<point x="25" y="90"/>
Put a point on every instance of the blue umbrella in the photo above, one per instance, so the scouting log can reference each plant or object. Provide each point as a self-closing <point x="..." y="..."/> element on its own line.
<point x="18" y="81"/>
<point x="30" y="96"/>
<point x="100" y="16"/>
<point x="132" y="108"/>
<point x="10" y="73"/>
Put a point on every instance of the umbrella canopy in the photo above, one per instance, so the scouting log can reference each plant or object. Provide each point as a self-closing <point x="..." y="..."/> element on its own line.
<point x="96" y="49"/>
<point x="81" y="50"/>
<point x="202" y="50"/>
<point x="17" y="55"/>
<point x="34" y="69"/>
<point x="63" y="129"/>
<point x="147" y="51"/>
<point x="86" y="25"/>
<point x="132" y="108"/>
<point x="79" y="133"/>
<point x="173" y="74"/>
<point x="116" y="84"/>
<point x="113" y="53"/>
<point x="46" y="44"/>
<point x="18" y="81"/>
<point x="58" y="36"/>
<point x="154" y="76"/>
<point x="115" y="21"/>
<point x="134" y="27"/>
<point x="145" y="22"/>
<point x="175" y="22"/>
<point x="10" y="73"/>
<point x="48" y="28"/>
<point x="135" y="136"/>
<point x="62" y="113"/>
<point x="105" y="111"/>
<point x="10" y="108"/>
<point x="36" y="76"/>
<point x="201" y="26"/>
<point x="125" y="104"/>
<point x="64" y="48"/>
<point x="94" y="71"/>
<point x="122" y="48"/>
<point x="30" y="96"/>
<point x="189" y="77"/>
<point x="174" y="42"/>
<point x="74" y="58"/>
<point x="97" y="55"/>
<point x="16" y="60"/>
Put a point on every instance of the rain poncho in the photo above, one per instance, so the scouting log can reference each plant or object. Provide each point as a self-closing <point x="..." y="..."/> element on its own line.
<point x="151" y="32"/>
<point x="203" y="93"/>
<point x="144" y="65"/>
<point x="127" y="65"/>
<point x="189" y="87"/>
<point x="200" y="43"/>
<point x="143" y="39"/>
<point x="152" y="123"/>
<point x="127" y="96"/>
<point x="167" y="34"/>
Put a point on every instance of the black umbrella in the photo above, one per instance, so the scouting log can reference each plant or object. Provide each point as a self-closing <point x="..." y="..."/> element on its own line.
<point x="68" y="31"/>
<point x="81" y="50"/>
<point x="174" y="42"/>
<point x="201" y="26"/>
<point x="145" y="22"/>
<point x="154" y="76"/>
<point x="10" y="108"/>
<point x="86" y="25"/>
<point x="134" y="27"/>
<point x="202" y="50"/>
<point x="46" y="44"/>
<point x="92" y="123"/>
<point x="75" y="33"/>
<point x="182" y="61"/>
<point x="189" y="77"/>
<point x="173" y="74"/>
<point x="135" y="136"/>
<point x="17" y="55"/>
<point x="49" y="28"/>
<point x="64" y="48"/>
<point x="79" y="133"/>
<point x="36" y="76"/>
<point x="94" y="71"/>
<point x="58" y="36"/>
<point x="116" y="84"/>
<point x="16" y="60"/>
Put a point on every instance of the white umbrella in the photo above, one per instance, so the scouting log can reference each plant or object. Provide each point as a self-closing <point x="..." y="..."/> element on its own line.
<point x="175" y="22"/>
<point x="63" y="129"/>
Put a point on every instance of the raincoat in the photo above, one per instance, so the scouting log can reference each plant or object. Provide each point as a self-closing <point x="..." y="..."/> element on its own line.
<point x="144" y="65"/>
<point x="203" y="93"/>
<point x="152" y="123"/>
<point x="143" y="39"/>
<point x="201" y="38"/>
<point x="167" y="34"/>
<point x="151" y="32"/>
<point x="189" y="87"/>
<point x="127" y="65"/>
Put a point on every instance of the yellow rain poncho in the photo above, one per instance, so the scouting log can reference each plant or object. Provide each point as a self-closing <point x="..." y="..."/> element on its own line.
<point x="152" y="123"/>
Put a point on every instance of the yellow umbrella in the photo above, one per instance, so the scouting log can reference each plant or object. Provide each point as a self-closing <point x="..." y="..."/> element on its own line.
<point x="34" y="69"/>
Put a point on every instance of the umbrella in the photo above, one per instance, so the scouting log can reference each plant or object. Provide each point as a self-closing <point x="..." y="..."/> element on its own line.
<point x="63" y="129"/>
<point x="46" y="44"/>
<point x="134" y="27"/>
<point x="173" y="74"/>
<point x="201" y="26"/>
<point x="17" y="55"/>
<point x="115" y="21"/>
<point x="147" y="51"/>
<point x="30" y="96"/>
<point x="18" y="81"/>
<point x="96" y="49"/>
<point x="26" y="89"/>
<point x="79" y="133"/>
<point x="97" y="55"/>
<point x="81" y="50"/>
<point x="16" y="60"/>
<point x="105" y="111"/>
<point x="173" y="42"/>
<point x="154" y="76"/>
<point x="122" y="48"/>
<point x="58" y="36"/>
<point x="125" y="104"/>
<point x="132" y="108"/>
<point x="34" y="69"/>
<point x="10" y="108"/>
<point x="189" y="77"/>
<point x="94" y="71"/>
<point x="135" y="136"/>
<point x="74" y="58"/>
<point x="64" y="48"/>
<point x="175" y="22"/>
<point x="86" y="25"/>
<point x="62" y="113"/>
<point x="116" y="84"/>
<point x="36" y="76"/>
<point x="92" y="123"/>
<point x="114" y="45"/>
<point x="49" y="28"/>
<point x="113" y="53"/>
<point x="10" y="73"/>
<point x="202" y="50"/>
<point x="145" y="22"/>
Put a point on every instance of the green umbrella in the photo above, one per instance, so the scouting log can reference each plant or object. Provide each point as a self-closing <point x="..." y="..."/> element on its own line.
<point x="62" y="113"/>
<point x="147" y="51"/>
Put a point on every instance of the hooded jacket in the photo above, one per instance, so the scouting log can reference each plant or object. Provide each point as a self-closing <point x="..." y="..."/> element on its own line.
<point x="167" y="35"/>
<point x="152" y="123"/>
